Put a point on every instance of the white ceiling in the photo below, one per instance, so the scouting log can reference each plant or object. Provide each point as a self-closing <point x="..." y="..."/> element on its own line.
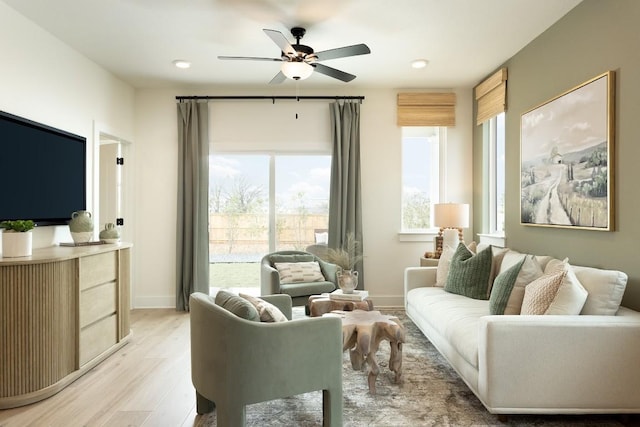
<point x="137" y="40"/>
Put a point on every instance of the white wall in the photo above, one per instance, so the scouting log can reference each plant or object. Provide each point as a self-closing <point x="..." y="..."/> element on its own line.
<point x="385" y="256"/>
<point x="44" y="80"/>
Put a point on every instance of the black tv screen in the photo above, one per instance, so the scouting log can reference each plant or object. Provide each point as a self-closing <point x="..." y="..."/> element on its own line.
<point x="42" y="172"/>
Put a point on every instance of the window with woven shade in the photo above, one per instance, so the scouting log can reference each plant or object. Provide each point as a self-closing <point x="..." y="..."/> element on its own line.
<point x="491" y="96"/>
<point x="426" y="109"/>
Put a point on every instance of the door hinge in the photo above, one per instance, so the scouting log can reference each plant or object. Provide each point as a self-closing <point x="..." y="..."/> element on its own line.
<point x="119" y="221"/>
<point x="119" y="160"/>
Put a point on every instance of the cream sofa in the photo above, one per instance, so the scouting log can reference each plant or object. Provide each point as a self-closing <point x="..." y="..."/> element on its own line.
<point x="526" y="364"/>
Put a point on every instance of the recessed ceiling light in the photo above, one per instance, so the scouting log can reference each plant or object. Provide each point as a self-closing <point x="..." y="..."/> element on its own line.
<point x="419" y="63"/>
<point x="181" y="63"/>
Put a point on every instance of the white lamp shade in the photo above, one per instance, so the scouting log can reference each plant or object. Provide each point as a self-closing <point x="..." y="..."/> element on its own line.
<point x="451" y="215"/>
<point x="297" y="70"/>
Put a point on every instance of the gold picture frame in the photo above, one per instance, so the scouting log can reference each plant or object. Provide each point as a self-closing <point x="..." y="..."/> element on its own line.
<point x="567" y="158"/>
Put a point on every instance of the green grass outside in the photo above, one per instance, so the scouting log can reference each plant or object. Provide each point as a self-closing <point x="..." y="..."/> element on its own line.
<point x="234" y="274"/>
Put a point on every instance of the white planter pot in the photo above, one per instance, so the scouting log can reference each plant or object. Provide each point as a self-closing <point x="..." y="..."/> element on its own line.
<point x="16" y="244"/>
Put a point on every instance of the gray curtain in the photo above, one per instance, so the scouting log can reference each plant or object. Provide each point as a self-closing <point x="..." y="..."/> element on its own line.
<point x="345" y="206"/>
<point x="192" y="250"/>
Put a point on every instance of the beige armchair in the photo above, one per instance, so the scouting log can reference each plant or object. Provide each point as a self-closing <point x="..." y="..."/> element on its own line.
<point x="270" y="278"/>
<point x="236" y="362"/>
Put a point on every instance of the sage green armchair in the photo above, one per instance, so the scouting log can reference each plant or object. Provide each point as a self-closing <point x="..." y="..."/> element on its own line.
<point x="236" y="362"/>
<point x="270" y="278"/>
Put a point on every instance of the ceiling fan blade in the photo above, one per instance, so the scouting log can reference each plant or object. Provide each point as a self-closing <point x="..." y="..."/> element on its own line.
<point x="341" y="52"/>
<point x="282" y="42"/>
<point x="278" y="78"/>
<point x="332" y="72"/>
<point x="249" y="58"/>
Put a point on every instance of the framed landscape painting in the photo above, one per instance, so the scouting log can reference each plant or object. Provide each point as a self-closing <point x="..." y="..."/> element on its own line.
<point x="566" y="158"/>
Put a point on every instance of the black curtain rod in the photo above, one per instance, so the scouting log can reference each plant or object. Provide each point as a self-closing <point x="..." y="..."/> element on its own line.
<point x="297" y="98"/>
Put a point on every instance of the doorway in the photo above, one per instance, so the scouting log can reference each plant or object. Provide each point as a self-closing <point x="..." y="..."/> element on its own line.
<point x="112" y="205"/>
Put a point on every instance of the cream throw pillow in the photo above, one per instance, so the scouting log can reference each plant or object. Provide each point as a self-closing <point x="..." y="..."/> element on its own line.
<point x="267" y="311"/>
<point x="529" y="272"/>
<point x="572" y="295"/>
<point x="443" y="266"/>
<point x="299" y="272"/>
<point x="540" y="293"/>
<point x="605" y="287"/>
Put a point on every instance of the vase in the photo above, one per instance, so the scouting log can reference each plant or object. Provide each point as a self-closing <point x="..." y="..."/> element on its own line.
<point x="81" y="226"/>
<point x="110" y="234"/>
<point x="17" y="244"/>
<point x="347" y="280"/>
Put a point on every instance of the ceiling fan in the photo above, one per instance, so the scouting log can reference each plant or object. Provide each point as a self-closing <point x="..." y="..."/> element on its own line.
<point x="299" y="61"/>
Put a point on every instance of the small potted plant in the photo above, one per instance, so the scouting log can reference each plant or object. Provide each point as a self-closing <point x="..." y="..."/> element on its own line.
<point x="17" y="238"/>
<point x="346" y="258"/>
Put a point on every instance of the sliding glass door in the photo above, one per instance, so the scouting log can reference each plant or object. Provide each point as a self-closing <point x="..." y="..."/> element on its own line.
<point x="260" y="203"/>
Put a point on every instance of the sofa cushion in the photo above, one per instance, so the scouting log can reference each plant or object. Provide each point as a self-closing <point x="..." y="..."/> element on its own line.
<point x="237" y="305"/>
<point x="539" y="294"/>
<point x="307" y="288"/>
<point x="529" y="272"/>
<point x="299" y="272"/>
<point x="455" y="317"/>
<point x="469" y="273"/>
<point x="571" y="296"/>
<point x="503" y="287"/>
<point x="267" y="311"/>
<point x="605" y="289"/>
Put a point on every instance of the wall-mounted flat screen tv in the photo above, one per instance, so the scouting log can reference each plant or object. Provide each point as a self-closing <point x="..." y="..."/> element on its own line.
<point x="43" y="171"/>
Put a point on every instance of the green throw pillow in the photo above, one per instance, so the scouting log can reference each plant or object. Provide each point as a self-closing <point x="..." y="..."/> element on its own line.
<point x="237" y="305"/>
<point x="502" y="287"/>
<point x="469" y="273"/>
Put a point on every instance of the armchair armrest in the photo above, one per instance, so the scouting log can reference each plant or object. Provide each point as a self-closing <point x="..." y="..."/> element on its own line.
<point x="555" y="356"/>
<point x="329" y="270"/>
<point x="269" y="280"/>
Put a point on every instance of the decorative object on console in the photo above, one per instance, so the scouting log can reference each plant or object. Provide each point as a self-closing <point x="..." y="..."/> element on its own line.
<point x="451" y="218"/>
<point x="81" y="226"/>
<point x="110" y="234"/>
<point x="17" y="239"/>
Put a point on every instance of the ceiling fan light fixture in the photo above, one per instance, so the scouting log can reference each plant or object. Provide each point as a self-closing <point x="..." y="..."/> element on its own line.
<point x="297" y="70"/>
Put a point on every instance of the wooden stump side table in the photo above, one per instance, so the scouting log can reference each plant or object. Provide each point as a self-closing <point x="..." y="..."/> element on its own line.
<point x="321" y="304"/>
<point x="362" y="332"/>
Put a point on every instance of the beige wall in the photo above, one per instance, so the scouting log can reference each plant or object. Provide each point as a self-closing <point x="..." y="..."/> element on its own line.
<point x="594" y="37"/>
<point x="386" y="256"/>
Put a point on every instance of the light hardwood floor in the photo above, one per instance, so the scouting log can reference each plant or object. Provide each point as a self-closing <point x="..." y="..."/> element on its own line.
<point x="146" y="383"/>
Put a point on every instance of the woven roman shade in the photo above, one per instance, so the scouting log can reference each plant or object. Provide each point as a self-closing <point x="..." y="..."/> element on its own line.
<point x="491" y="96"/>
<point x="427" y="109"/>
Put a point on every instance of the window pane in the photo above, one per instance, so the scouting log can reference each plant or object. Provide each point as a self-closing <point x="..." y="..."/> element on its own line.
<point x="420" y="175"/>
<point x="495" y="144"/>
<point x="238" y="218"/>
<point x="302" y="201"/>
<point x="500" y="173"/>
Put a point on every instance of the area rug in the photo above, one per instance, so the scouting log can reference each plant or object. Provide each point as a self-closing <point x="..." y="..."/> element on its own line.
<point x="432" y="394"/>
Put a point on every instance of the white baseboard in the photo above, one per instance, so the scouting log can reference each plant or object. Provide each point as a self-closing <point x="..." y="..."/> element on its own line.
<point x="154" y="302"/>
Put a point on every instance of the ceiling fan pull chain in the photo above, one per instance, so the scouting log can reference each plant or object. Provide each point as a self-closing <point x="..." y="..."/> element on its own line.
<point x="297" y="94"/>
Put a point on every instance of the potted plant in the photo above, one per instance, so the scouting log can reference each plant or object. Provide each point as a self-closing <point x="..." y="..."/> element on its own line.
<point x="17" y="238"/>
<point x="346" y="258"/>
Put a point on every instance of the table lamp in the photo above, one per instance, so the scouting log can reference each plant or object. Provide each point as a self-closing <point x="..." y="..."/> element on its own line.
<point x="451" y="218"/>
